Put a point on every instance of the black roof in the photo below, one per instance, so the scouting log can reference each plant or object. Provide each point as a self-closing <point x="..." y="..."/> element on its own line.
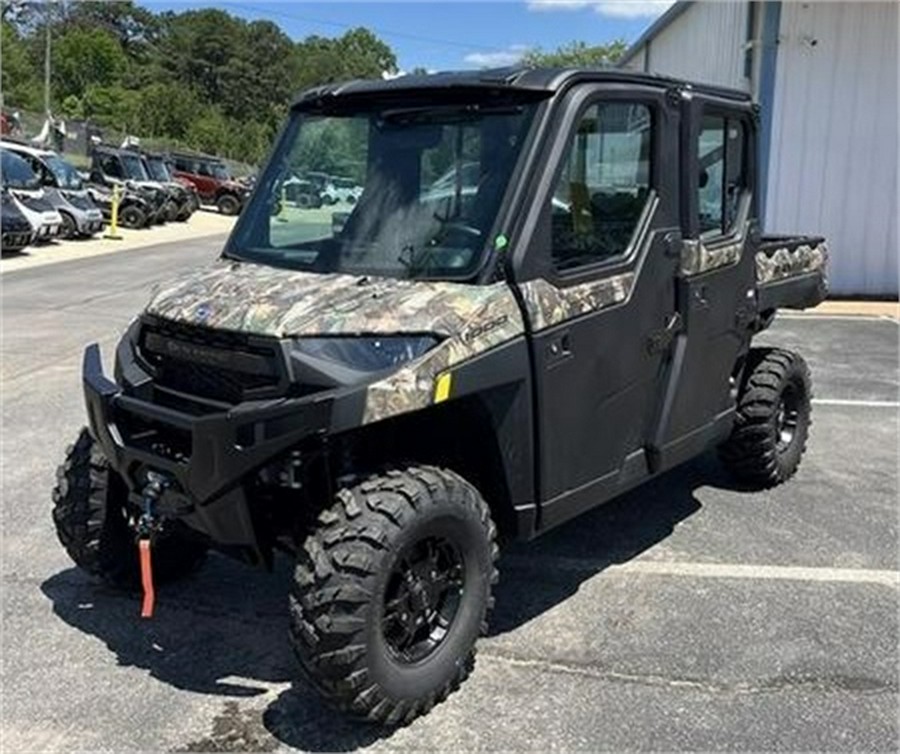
<point x="521" y="78"/>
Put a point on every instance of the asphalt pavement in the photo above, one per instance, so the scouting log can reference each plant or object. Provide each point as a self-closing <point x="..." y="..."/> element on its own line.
<point x="687" y="615"/>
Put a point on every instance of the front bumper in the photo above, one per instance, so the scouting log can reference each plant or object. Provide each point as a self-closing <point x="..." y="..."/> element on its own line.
<point x="219" y="450"/>
<point x="15" y="240"/>
<point x="89" y="222"/>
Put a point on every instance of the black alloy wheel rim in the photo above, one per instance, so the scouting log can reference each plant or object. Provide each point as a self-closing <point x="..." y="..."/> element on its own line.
<point x="786" y="419"/>
<point x="422" y="598"/>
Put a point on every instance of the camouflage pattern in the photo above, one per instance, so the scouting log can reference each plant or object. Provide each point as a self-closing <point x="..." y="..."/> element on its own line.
<point x="785" y="262"/>
<point x="548" y="305"/>
<point x="697" y="257"/>
<point x="496" y="322"/>
<point x="285" y="303"/>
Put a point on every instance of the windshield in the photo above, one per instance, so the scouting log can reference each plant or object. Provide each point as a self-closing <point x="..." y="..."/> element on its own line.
<point x="134" y="167"/>
<point x="414" y="193"/>
<point x="66" y="175"/>
<point x="157" y="169"/>
<point x="17" y="173"/>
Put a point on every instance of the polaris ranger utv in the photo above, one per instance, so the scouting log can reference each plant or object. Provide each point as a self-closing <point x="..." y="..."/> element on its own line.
<point x="389" y="397"/>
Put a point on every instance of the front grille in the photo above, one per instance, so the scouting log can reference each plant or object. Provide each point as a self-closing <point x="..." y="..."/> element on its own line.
<point x="15" y="240"/>
<point x="210" y="364"/>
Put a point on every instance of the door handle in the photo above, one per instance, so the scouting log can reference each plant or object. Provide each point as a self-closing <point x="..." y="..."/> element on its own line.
<point x="558" y="349"/>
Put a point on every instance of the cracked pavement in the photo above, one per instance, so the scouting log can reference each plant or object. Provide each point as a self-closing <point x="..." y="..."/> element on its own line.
<point x="631" y="627"/>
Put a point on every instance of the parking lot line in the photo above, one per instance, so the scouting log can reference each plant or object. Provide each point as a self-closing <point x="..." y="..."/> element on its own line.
<point x="723" y="570"/>
<point x="813" y="317"/>
<point x="865" y="404"/>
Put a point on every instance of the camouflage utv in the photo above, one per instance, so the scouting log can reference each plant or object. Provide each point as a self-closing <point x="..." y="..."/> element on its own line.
<point x="545" y="296"/>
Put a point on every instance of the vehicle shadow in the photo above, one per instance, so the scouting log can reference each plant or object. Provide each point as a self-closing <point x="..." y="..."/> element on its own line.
<point x="611" y="534"/>
<point x="224" y="631"/>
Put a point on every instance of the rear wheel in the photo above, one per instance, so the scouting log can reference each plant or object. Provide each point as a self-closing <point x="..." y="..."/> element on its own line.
<point x="228" y="204"/>
<point x="391" y="591"/>
<point x="90" y="511"/>
<point x="773" y="419"/>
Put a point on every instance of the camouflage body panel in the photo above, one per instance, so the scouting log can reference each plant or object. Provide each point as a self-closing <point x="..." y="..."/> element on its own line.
<point x="285" y="303"/>
<point x="496" y="322"/>
<point x="786" y="262"/>
<point x="697" y="258"/>
<point x="548" y="305"/>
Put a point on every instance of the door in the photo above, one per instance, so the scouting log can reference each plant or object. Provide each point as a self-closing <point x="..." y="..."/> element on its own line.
<point x="716" y="287"/>
<point x="604" y="297"/>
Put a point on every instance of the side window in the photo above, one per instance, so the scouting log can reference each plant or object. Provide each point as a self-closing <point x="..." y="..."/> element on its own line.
<point x="603" y="186"/>
<point x="110" y="165"/>
<point x="721" y="166"/>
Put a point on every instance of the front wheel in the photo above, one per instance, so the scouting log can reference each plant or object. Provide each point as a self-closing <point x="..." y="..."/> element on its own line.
<point x="90" y="511"/>
<point x="69" y="226"/>
<point x="773" y="419"/>
<point x="391" y="590"/>
<point x="131" y="216"/>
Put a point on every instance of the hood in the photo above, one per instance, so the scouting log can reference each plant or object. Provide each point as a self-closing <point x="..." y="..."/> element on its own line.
<point x="264" y="300"/>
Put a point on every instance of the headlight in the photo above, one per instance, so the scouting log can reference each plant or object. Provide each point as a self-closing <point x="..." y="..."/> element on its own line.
<point x="330" y="362"/>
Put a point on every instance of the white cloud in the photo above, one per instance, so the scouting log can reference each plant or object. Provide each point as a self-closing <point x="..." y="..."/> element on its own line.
<point x="511" y="55"/>
<point x="609" y="8"/>
<point x="633" y="8"/>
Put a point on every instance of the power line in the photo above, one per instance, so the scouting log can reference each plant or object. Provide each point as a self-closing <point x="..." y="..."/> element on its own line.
<point x="380" y="30"/>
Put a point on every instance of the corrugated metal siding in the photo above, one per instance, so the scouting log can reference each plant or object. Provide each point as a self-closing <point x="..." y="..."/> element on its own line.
<point x="704" y="44"/>
<point x="833" y="162"/>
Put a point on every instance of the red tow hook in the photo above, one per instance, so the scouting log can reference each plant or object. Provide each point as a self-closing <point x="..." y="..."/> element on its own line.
<point x="148" y="526"/>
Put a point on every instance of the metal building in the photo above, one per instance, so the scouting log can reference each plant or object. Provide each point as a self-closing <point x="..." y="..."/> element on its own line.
<point x="825" y="74"/>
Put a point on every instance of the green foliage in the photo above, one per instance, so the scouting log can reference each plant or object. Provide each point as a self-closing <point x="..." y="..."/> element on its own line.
<point x="86" y="57"/>
<point x="20" y="82"/>
<point x="576" y="54"/>
<point x="199" y="78"/>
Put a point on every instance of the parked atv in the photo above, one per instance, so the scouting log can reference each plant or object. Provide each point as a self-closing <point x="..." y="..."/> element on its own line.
<point x="23" y="187"/>
<point x="16" y="232"/>
<point x="124" y="168"/>
<point x="212" y="179"/>
<point x="134" y="209"/>
<point x="63" y="188"/>
<point x="183" y="197"/>
<point x="455" y="363"/>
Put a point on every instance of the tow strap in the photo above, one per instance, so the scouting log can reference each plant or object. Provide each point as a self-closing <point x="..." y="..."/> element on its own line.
<point x="148" y="526"/>
<point x="146" y="577"/>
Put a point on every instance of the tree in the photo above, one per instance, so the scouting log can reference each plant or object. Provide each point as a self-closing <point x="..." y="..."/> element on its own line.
<point x="133" y="26"/>
<point x="356" y="54"/>
<point x="200" y="77"/>
<point x="166" y="109"/>
<point x="579" y="54"/>
<point x="86" y="57"/>
<point x="18" y="78"/>
<point x="112" y="106"/>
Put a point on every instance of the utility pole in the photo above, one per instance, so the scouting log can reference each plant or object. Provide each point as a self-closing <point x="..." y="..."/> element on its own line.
<point x="47" y="58"/>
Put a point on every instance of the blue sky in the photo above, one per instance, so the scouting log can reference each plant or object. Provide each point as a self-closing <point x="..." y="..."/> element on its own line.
<point x="453" y="33"/>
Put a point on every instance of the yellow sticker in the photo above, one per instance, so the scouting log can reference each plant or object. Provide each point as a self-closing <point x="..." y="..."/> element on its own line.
<point x="442" y="387"/>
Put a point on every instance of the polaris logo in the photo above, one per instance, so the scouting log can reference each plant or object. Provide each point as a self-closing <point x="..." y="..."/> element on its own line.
<point x="178" y="349"/>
